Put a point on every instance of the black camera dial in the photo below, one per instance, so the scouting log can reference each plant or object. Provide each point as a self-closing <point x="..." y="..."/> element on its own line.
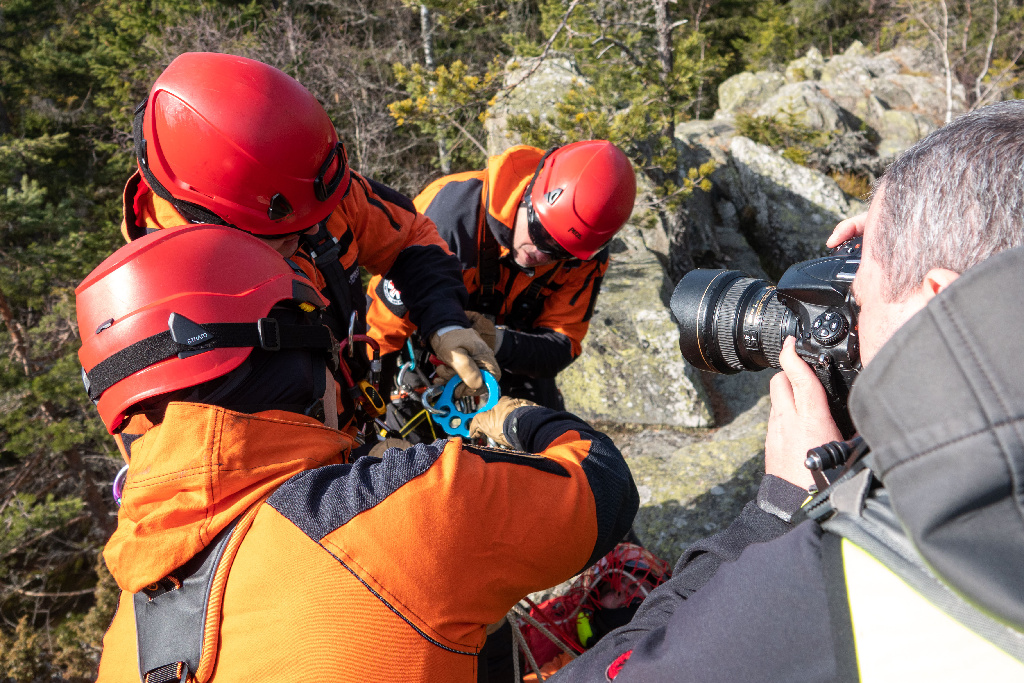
<point x="829" y="328"/>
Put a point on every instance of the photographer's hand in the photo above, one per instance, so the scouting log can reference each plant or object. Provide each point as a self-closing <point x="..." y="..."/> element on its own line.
<point x="847" y="229"/>
<point x="799" y="419"/>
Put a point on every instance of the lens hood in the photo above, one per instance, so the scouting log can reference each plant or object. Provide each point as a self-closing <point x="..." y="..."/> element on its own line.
<point x="694" y="306"/>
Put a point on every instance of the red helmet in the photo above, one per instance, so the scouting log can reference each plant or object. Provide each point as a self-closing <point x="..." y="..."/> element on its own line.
<point x="183" y="306"/>
<point x="233" y="141"/>
<point x="581" y="194"/>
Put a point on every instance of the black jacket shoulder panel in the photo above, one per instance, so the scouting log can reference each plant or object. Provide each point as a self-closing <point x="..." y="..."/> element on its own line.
<point x="391" y="195"/>
<point x="322" y="500"/>
<point x="455" y="209"/>
<point x="533" y="429"/>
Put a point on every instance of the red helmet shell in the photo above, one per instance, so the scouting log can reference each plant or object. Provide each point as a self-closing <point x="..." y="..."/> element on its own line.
<point x="230" y="133"/>
<point x="584" y="194"/>
<point x="209" y="274"/>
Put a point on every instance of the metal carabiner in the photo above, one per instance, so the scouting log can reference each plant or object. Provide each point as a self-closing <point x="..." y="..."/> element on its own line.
<point x="427" y="399"/>
<point x="351" y="331"/>
<point x="405" y="370"/>
<point x="117" y="490"/>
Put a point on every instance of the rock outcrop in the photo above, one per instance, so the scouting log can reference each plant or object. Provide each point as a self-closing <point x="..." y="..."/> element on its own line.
<point x="897" y="96"/>
<point x="538" y="88"/>
<point x="794" y="208"/>
<point x="693" y="483"/>
<point x="746" y="91"/>
<point x="807" y="104"/>
<point x="630" y="369"/>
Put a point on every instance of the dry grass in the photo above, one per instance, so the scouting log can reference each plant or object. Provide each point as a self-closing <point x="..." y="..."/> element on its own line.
<point x="853" y="185"/>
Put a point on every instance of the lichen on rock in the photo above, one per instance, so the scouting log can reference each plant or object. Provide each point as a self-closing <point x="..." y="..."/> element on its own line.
<point x="630" y="369"/>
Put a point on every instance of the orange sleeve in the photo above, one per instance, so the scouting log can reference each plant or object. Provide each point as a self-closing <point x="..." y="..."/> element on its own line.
<point x="480" y="528"/>
<point x="387" y="320"/>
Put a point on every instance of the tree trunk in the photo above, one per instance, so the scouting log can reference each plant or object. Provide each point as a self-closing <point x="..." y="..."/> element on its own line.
<point x="664" y="30"/>
<point x="988" y="54"/>
<point x="20" y="346"/>
<point x="93" y="499"/>
<point x="944" y="44"/>
<point x="427" y="41"/>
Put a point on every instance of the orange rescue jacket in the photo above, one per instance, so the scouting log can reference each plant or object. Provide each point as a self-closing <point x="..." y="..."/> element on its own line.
<point x="380" y="570"/>
<point x="565" y="292"/>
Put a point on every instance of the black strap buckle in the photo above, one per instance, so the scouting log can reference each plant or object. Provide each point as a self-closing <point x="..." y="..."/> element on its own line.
<point x="270" y="334"/>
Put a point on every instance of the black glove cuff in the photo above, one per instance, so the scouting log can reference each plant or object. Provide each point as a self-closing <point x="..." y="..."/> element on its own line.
<point x="511" y="426"/>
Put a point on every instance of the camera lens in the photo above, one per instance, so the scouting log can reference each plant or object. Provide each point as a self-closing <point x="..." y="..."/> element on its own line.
<point x="729" y="322"/>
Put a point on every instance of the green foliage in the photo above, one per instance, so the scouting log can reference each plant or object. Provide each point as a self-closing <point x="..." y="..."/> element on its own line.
<point x="634" y="93"/>
<point x="448" y="102"/>
<point x="786" y="134"/>
<point x="770" y="36"/>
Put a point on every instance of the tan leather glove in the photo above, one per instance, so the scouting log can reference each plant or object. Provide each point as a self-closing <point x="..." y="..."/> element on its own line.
<point x="485" y="328"/>
<point x="463" y="351"/>
<point x="378" y="450"/>
<point x="492" y="423"/>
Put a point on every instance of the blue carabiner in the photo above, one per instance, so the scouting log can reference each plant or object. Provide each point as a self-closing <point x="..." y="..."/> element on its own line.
<point x="455" y="422"/>
<point x="412" y="355"/>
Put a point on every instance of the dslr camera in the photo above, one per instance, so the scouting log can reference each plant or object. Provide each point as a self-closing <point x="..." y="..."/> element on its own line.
<point x="730" y="322"/>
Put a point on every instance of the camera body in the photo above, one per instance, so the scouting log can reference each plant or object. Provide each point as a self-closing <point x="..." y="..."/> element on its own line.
<point x="729" y="322"/>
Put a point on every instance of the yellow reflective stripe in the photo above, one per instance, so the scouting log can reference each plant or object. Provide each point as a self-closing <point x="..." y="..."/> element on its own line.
<point x="900" y="636"/>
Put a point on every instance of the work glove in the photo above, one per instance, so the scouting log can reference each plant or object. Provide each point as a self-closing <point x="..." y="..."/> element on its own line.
<point x="485" y="328"/>
<point x="492" y="422"/>
<point x="378" y="450"/>
<point x="462" y="351"/>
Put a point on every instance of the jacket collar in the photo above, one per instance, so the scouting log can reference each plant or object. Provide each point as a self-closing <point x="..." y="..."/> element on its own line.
<point x="942" y="406"/>
<point x="507" y="175"/>
<point x="191" y="475"/>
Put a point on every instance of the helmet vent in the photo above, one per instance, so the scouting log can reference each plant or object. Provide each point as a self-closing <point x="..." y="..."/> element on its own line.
<point x="279" y="207"/>
<point x="553" y="196"/>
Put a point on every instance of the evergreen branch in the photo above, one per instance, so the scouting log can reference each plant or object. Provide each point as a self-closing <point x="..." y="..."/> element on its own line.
<point x="39" y="537"/>
<point x="61" y="594"/>
<point x="466" y="133"/>
<point x="544" y="52"/>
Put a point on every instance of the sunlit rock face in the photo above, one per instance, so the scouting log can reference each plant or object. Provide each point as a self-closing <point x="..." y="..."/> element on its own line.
<point x="630" y="369"/>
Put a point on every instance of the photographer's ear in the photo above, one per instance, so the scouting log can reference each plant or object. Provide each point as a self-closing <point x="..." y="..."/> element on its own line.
<point x="936" y="280"/>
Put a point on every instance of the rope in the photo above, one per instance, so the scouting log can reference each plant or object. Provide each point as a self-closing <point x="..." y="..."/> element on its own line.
<point x="517" y="675"/>
<point x="520" y="639"/>
<point x="525" y="616"/>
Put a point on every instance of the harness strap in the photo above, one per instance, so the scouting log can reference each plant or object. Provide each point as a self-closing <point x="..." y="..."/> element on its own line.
<point x="528" y="305"/>
<point x="488" y="299"/>
<point x="170" y="616"/>
<point x="868" y="521"/>
<point x="326" y="251"/>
